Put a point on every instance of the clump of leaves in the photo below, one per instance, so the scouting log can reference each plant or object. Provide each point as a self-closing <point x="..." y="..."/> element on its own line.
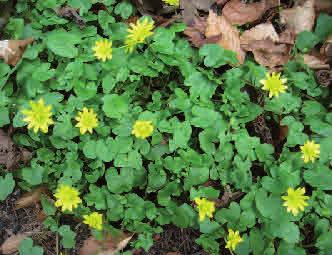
<point x="195" y="139"/>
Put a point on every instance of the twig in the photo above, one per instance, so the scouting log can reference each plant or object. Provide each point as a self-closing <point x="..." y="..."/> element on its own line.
<point x="57" y="243"/>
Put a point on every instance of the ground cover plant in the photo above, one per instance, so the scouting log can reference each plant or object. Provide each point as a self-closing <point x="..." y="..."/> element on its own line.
<point x="112" y="119"/>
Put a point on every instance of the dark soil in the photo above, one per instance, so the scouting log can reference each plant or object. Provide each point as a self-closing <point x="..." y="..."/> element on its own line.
<point x="24" y="221"/>
<point x="174" y="239"/>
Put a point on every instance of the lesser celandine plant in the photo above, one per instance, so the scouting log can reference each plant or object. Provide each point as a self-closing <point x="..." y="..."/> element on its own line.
<point x="131" y="128"/>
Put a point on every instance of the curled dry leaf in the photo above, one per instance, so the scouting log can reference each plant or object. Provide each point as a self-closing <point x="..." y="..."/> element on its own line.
<point x="260" y="32"/>
<point x="239" y="13"/>
<point x="314" y="62"/>
<point x="12" y="50"/>
<point x="30" y="198"/>
<point x="287" y="36"/>
<point x="230" y="36"/>
<point x="71" y="14"/>
<point x="203" y="5"/>
<point x="324" y="77"/>
<point x="10" y="154"/>
<point x="323" y="6"/>
<point x="12" y="243"/>
<point x="299" y="18"/>
<point x="263" y="41"/>
<point x="109" y="246"/>
<point x="189" y="12"/>
<point x="326" y="49"/>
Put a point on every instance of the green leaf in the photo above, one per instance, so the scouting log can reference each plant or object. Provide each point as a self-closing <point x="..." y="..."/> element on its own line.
<point x="230" y="215"/>
<point x="204" y="117"/>
<point x="124" y="9"/>
<point x="324" y="242"/>
<point x="196" y="176"/>
<point x="82" y="5"/>
<point x="215" y="56"/>
<point x="33" y="175"/>
<point x="182" y="132"/>
<point x="62" y="43"/>
<point x="115" y="106"/>
<point x="319" y="177"/>
<point x="208" y="226"/>
<point x="119" y="183"/>
<point x="268" y="206"/>
<point x="323" y="26"/>
<point x="306" y="40"/>
<point x="7" y="185"/>
<point x="68" y="236"/>
<point x="4" y="116"/>
<point x="26" y="248"/>
<point x="48" y="207"/>
<point x="284" y="229"/>
<point x="200" y="86"/>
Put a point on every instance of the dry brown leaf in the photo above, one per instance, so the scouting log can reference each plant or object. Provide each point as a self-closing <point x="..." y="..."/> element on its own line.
<point x="12" y="50"/>
<point x="270" y="59"/>
<point x="71" y="14"/>
<point x="203" y="5"/>
<point x="239" y="13"/>
<point x="299" y="18"/>
<point x="12" y="243"/>
<point x="189" y="12"/>
<point x="314" y="62"/>
<point x="230" y="36"/>
<point x="260" y="32"/>
<point x="30" y="198"/>
<point x="287" y="36"/>
<point x="323" y="6"/>
<point x="108" y="246"/>
<point x="173" y="253"/>
<point x="10" y="154"/>
<point x="324" y="77"/>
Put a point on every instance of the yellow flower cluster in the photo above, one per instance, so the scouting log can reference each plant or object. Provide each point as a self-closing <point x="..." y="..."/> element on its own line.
<point x="39" y="117"/>
<point x="310" y="151"/>
<point x="68" y="198"/>
<point x="205" y="208"/>
<point x="172" y="2"/>
<point x="233" y="239"/>
<point x="274" y="84"/>
<point x="295" y="201"/>
<point x="137" y="34"/>
<point x="142" y="129"/>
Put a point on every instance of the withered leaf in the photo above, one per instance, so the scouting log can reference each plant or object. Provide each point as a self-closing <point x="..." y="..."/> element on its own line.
<point x="299" y="18"/>
<point x="230" y="36"/>
<point x="109" y="246"/>
<point x="71" y="14"/>
<point x="10" y="154"/>
<point x="239" y="13"/>
<point x="30" y="198"/>
<point x="262" y="31"/>
<point x="12" y="50"/>
<point x="314" y="62"/>
<point x="203" y="4"/>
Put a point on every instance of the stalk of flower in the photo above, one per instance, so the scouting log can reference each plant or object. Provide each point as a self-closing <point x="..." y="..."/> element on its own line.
<point x="205" y="208"/>
<point x="142" y="129"/>
<point x="94" y="220"/>
<point x="310" y="151"/>
<point x="67" y="198"/>
<point x="87" y="120"/>
<point x="138" y="33"/>
<point x="295" y="201"/>
<point x="172" y="2"/>
<point x="39" y="116"/>
<point x="103" y="50"/>
<point x="274" y="84"/>
<point x="233" y="239"/>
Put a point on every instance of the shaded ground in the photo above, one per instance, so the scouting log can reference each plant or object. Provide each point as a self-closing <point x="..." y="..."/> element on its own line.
<point x="178" y="240"/>
<point x="26" y="221"/>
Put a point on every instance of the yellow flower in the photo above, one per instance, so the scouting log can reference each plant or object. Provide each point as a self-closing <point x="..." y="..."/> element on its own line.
<point x="172" y="2"/>
<point x="39" y="117"/>
<point x="94" y="220"/>
<point x="67" y="198"/>
<point x="295" y="200"/>
<point x="87" y="120"/>
<point x="233" y="239"/>
<point x="205" y="208"/>
<point x="137" y="33"/>
<point x="274" y="83"/>
<point x="103" y="49"/>
<point x="142" y="129"/>
<point x="310" y="151"/>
